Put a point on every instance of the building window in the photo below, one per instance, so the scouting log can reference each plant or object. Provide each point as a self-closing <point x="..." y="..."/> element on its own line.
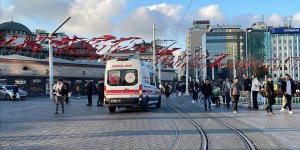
<point x="25" y="68"/>
<point x="275" y="75"/>
<point x="279" y="47"/>
<point x="274" y="41"/>
<point x="274" y="48"/>
<point x="279" y="41"/>
<point x="284" y="41"/>
<point x="285" y="48"/>
<point x="290" y="41"/>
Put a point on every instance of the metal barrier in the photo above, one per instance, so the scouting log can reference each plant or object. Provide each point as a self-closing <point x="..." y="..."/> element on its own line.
<point x="264" y="101"/>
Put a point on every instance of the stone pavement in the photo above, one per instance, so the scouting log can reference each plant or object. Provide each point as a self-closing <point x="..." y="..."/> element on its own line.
<point x="31" y="124"/>
<point x="283" y="127"/>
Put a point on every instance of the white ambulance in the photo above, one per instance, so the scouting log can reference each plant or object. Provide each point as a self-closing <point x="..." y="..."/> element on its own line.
<point x="130" y="83"/>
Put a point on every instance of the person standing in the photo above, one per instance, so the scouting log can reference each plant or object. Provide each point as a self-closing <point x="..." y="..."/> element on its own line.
<point x="270" y="93"/>
<point x="207" y="92"/>
<point x="194" y="88"/>
<point x="60" y="92"/>
<point x="226" y="91"/>
<point x="68" y="90"/>
<point x="288" y="88"/>
<point x="247" y="89"/>
<point x="167" y="90"/>
<point x="15" y="91"/>
<point x="235" y="93"/>
<point x="255" y="89"/>
<point x="100" y="93"/>
<point x="89" y="93"/>
<point x="77" y="91"/>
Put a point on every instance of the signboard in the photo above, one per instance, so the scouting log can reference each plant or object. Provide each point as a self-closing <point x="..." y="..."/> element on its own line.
<point x="285" y="30"/>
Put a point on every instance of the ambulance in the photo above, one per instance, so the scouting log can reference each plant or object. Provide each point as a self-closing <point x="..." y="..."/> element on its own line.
<point x="130" y="84"/>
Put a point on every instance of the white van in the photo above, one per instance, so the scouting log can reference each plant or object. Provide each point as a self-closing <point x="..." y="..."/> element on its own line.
<point x="129" y="83"/>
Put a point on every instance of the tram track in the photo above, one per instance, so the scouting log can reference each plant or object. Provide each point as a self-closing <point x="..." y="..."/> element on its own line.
<point x="249" y="144"/>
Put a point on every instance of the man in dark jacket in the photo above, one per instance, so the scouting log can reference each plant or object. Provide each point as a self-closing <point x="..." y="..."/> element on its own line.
<point x="270" y="94"/>
<point x="247" y="89"/>
<point x="288" y="88"/>
<point x="101" y="93"/>
<point x="67" y="91"/>
<point x="89" y="93"/>
<point x="194" y="88"/>
<point x="207" y="92"/>
<point x="15" y="91"/>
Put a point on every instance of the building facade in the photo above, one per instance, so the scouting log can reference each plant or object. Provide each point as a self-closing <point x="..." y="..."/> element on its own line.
<point x="286" y="52"/>
<point x="223" y="39"/>
<point x="194" y="42"/>
<point x="259" y="47"/>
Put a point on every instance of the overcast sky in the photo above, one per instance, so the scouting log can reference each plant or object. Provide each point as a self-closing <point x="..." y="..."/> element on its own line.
<point x="92" y="18"/>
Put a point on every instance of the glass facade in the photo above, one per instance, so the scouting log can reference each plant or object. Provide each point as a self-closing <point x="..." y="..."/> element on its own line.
<point x="259" y="48"/>
<point x="224" y="40"/>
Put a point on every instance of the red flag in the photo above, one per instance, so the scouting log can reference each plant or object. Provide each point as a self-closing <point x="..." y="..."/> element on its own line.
<point x="13" y="38"/>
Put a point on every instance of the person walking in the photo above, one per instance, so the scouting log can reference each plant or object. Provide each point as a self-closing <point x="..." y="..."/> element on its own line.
<point x="235" y="93"/>
<point x="247" y="89"/>
<point x="89" y="93"/>
<point x="255" y="89"/>
<point x="60" y="92"/>
<point x="226" y="91"/>
<point x="288" y="87"/>
<point x="207" y="92"/>
<point x="167" y="91"/>
<point x="15" y="91"/>
<point x="194" y="88"/>
<point x="100" y="93"/>
<point x="270" y="93"/>
<point x="77" y="91"/>
<point x="68" y="91"/>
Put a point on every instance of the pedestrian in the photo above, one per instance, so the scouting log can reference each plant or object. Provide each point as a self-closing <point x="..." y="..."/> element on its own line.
<point x="89" y="93"/>
<point x="255" y="87"/>
<point x="68" y="91"/>
<point x="235" y="91"/>
<point x="167" y="91"/>
<point x="216" y="95"/>
<point x="15" y="91"/>
<point x="60" y="93"/>
<point x="247" y="90"/>
<point x="226" y="91"/>
<point x="270" y="93"/>
<point x="288" y="87"/>
<point x="207" y="92"/>
<point x="194" y="88"/>
<point x="77" y="91"/>
<point x="100" y="93"/>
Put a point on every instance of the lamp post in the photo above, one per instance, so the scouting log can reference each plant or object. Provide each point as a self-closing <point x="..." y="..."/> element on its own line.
<point x="187" y="74"/>
<point x="51" y="57"/>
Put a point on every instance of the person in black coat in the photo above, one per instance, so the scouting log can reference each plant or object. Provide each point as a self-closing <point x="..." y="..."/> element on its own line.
<point x="100" y="93"/>
<point x="66" y="84"/>
<point x="194" y="88"/>
<point x="288" y="88"/>
<point x="89" y="93"/>
<point x="167" y="90"/>
<point x="270" y="93"/>
<point x="207" y="92"/>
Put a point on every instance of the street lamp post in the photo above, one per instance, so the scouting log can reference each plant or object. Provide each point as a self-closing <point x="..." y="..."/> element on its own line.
<point x="187" y="74"/>
<point x="51" y="57"/>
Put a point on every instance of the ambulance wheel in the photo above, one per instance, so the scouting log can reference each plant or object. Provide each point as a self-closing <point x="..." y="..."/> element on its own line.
<point x="145" y="104"/>
<point x="158" y="102"/>
<point x="112" y="109"/>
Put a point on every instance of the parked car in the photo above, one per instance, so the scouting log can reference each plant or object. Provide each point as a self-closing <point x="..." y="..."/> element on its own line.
<point x="6" y="92"/>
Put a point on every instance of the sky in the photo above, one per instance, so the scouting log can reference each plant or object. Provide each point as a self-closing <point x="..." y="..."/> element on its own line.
<point x="124" y="18"/>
